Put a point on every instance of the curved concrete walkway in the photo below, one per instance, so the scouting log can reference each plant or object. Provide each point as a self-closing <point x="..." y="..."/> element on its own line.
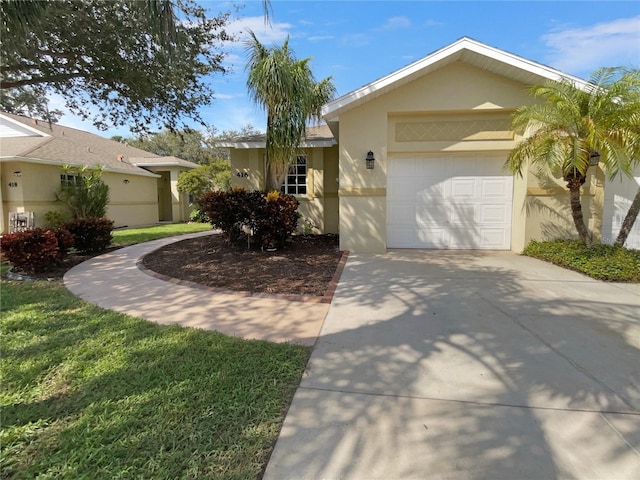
<point x="114" y="281"/>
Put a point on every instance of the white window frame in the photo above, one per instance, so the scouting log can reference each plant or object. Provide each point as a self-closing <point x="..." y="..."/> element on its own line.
<point x="296" y="187"/>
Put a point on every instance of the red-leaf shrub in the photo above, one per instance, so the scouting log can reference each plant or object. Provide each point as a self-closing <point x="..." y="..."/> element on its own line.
<point x="269" y="218"/>
<point x="90" y="234"/>
<point x="276" y="220"/>
<point x="33" y="251"/>
<point x="65" y="241"/>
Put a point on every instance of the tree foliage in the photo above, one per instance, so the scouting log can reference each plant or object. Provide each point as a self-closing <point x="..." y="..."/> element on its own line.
<point x="573" y="123"/>
<point x="216" y="176"/>
<point x="287" y="90"/>
<point x="192" y="145"/>
<point x="29" y="101"/>
<point x="141" y="62"/>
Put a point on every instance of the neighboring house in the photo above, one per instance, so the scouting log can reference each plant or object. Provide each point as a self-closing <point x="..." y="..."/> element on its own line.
<point x="142" y="185"/>
<point x="439" y="132"/>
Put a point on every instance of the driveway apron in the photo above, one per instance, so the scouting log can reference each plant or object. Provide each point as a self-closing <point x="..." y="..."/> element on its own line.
<point x="468" y="365"/>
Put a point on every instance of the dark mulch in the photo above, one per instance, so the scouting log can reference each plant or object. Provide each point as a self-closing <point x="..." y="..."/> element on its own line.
<point x="304" y="267"/>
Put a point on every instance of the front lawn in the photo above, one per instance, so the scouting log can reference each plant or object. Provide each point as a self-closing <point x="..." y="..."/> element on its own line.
<point x="89" y="393"/>
<point x="602" y="262"/>
<point x="130" y="236"/>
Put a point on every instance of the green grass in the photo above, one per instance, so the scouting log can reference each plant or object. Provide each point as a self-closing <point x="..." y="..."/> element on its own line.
<point x="602" y="262"/>
<point x="89" y="393"/>
<point x="130" y="236"/>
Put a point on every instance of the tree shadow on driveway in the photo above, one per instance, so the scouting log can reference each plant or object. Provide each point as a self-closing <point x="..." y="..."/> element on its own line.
<point x="468" y="365"/>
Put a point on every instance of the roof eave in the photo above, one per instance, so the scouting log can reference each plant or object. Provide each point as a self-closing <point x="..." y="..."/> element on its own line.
<point x="41" y="161"/>
<point x="331" y="111"/>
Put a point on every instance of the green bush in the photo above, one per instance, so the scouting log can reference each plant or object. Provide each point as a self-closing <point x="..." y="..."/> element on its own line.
<point x="269" y="219"/>
<point x="33" y="251"/>
<point x="603" y="262"/>
<point x="91" y="234"/>
<point x="198" y="216"/>
<point x="83" y="192"/>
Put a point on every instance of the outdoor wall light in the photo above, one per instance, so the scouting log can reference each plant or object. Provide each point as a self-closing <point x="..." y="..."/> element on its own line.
<point x="17" y="173"/>
<point x="125" y="181"/>
<point x="371" y="161"/>
<point x="594" y="159"/>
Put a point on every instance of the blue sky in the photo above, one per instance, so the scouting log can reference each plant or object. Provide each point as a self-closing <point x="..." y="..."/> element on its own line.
<point x="357" y="42"/>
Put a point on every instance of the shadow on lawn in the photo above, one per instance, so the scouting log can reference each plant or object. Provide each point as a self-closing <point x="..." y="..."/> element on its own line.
<point x="105" y="395"/>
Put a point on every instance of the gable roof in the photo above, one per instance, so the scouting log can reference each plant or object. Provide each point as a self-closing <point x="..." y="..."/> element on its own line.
<point x="316" y="136"/>
<point x="466" y="50"/>
<point x="37" y="141"/>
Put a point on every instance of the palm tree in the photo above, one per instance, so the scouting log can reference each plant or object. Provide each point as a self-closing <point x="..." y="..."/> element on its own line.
<point x="286" y="88"/>
<point x="574" y="124"/>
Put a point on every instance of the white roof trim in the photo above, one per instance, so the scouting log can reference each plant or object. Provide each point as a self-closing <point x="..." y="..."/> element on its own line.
<point x="38" y="133"/>
<point x="141" y="172"/>
<point x="161" y="164"/>
<point x="307" y="144"/>
<point x="332" y="109"/>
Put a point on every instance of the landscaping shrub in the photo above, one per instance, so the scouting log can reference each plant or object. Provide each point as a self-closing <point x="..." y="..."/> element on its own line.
<point x="268" y="218"/>
<point x="91" y="234"/>
<point x="83" y="192"/>
<point x="603" y="262"/>
<point x="276" y="220"/>
<point x="65" y="241"/>
<point x="198" y="216"/>
<point x="33" y="251"/>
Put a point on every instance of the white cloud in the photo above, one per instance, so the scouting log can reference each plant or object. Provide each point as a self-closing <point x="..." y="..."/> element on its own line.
<point x="396" y="22"/>
<point x="318" y="38"/>
<point x="582" y="50"/>
<point x="267" y="34"/>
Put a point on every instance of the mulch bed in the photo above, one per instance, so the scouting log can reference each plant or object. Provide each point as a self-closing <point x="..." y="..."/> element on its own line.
<point x="305" y="267"/>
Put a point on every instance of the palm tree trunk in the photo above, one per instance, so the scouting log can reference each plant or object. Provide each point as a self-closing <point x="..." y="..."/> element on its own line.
<point x="276" y="173"/>
<point x="576" y="210"/>
<point x="629" y="220"/>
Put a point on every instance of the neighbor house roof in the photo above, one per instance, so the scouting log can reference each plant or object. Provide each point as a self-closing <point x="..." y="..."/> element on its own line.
<point x="36" y="141"/>
<point x="316" y="136"/>
<point x="161" y="162"/>
<point x="464" y="50"/>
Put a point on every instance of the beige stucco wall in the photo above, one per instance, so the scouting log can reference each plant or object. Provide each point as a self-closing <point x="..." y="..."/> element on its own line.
<point x="131" y="204"/>
<point x="319" y="208"/>
<point x="470" y="111"/>
<point x="454" y="94"/>
<point x="172" y="205"/>
<point x="134" y="203"/>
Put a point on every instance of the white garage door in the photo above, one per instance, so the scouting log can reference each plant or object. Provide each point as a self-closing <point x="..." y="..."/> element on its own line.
<point x="449" y="201"/>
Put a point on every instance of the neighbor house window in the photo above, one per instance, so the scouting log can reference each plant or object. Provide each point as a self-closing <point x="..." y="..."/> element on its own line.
<point x="67" y="180"/>
<point x="295" y="183"/>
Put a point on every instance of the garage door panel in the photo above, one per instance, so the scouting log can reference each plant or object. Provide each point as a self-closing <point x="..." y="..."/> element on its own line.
<point x="494" y="214"/>
<point x="462" y="237"/>
<point x="431" y="214"/>
<point x="463" y="188"/>
<point x="402" y="214"/>
<point x="495" y="238"/>
<point x="462" y="214"/>
<point x="429" y="190"/>
<point x="450" y="201"/>
<point x="496" y="188"/>
<point x="431" y="238"/>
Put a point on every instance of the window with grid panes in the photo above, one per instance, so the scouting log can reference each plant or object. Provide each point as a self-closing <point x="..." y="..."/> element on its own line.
<point x="295" y="182"/>
<point x="67" y="180"/>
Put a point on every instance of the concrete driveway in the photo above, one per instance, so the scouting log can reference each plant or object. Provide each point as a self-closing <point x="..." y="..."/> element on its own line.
<point x="468" y="365"/>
